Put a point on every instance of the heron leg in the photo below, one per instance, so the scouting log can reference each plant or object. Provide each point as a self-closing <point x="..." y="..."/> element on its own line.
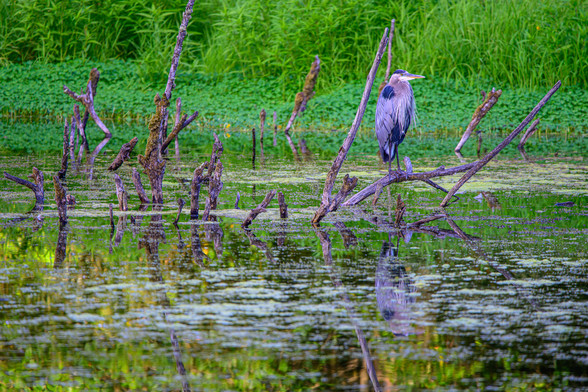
<point x="397" y="158"/>
<point x="390" y="159"/>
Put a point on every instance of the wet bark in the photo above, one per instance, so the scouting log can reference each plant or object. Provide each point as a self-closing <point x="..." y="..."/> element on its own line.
<point x="37" y="187"/>
<point x="326" y="201"/>
<point x="139" y="187"/>
<point x="215" y="186"/>
<point x="123" y="155"/>
<point x="490" y="100"/>
<point x="259" y="209"/>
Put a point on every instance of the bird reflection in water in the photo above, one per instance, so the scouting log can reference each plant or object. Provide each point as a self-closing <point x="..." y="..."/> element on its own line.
<point x="395" y="291"/>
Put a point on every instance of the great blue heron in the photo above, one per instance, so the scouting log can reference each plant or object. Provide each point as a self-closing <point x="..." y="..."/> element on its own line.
<point x="395" y="111"/>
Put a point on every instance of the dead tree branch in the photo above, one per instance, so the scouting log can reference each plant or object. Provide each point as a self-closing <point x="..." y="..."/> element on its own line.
<point x="283" y="206"/>
<point x="60" y="199"/>
<point x="390" y="50"/>
<point x="275" y="129"/>
<point x="482" y="162"/>
<point x="197" y="180"/>
<point x="490" y="100"/>
<point x="301" y="100"/>
<point x="215" y="186"/>
<point x="139" y="187"/>
<point x="37" y="187"/>
<point x="65" y="156"/>
<point x="87" y="100"/>
<point x="181" y="123"/>
<point x="259" y="209"/>
<point x="181" y="203"/>
<point x="121" y="194"/>
<point x="123" y="155"/>
<point x="342" y="155"/>
<point x="530" y="131"/>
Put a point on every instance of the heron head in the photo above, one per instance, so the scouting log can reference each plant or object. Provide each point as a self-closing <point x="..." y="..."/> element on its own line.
<point x="404" y="76"/>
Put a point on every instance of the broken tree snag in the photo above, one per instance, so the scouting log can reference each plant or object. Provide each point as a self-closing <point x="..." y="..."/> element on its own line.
<point x="400" y="210"/>
<point x="237" y="200"/>
<point x="259" y="209"/>
<point x="72" y="138"/>
<point x="217" y="151"/>
<point x="530" y="131"/>
<point x="275" y="129"/>
<point x="197" y="180"/>
<point x="121" y="194"/>
<point x="87" y="100"/>
<point x="334" y="203"/>
<point x="342" y="155"/>
<point x="261" y="126"/>
<point x="390" y="50"/>
<point x="60" y="199"/>
<point x="123" y="155"/>
<point x="283" y="206"/>
<point x="379" y="189"/>
<point x="152" y="162"/>
<point x="81" y="133"/>
<point x="490" y="100"/>
<point x="181" y="203"/>
<point x="215" y="186"/>
<point x="61" y="173"/>
<point x="482" y="162"/>
<point x="139" y="187"/>
<point x="302" y="99"/>
<point x="181" y="123"/>
<point x="37" y="187"/>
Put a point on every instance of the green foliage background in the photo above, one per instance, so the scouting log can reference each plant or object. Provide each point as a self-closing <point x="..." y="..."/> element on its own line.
<point x="525" y="43"/>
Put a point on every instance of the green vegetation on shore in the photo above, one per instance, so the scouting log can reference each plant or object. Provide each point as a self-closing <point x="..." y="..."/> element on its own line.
<point x="232" y="101"/>
<point x="522" y="43"/>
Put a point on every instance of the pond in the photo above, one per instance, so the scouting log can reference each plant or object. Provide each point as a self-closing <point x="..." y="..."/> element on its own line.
<point x="493" y="297"/>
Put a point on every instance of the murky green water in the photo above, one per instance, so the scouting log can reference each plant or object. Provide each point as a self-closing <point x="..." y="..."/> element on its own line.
<point x="289" y="307"/>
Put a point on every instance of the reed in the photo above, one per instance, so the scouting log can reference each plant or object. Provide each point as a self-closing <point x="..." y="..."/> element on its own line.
<point x="524" y="43"/>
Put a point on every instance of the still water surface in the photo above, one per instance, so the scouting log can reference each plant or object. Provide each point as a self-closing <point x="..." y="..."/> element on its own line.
<point x="495" y="300"/>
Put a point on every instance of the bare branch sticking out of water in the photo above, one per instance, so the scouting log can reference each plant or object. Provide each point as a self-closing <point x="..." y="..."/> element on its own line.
<point x="283" y="206"/>
<point x="87" y="100"/>
<point x="275" y="129"/>
<point x="490" y="100"/>
<point x="60" y="199"/>
<point x="301" y="101"/>
<point x="121" y="194"/>
<point x="482" y="162"/>
<point x="215" y="186"/>
<point x="259" y="209"/>
<point x="139" y="187"/>
<point x="237" y="200"/>
<point x="65" y="156"/>
<point x="181" y="123"/>
<point x="181" y="203"/>
<point x="123" y="155"/>
<point x="197" y="180"/>
<point x="530" y="131"/>
<point x="37" y="187"/>
<point x="323" y="210"/>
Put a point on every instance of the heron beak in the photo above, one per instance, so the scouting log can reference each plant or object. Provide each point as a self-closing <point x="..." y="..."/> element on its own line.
<point x="408" y="76"/>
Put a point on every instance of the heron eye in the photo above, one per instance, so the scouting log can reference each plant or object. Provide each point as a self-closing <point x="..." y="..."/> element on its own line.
<point x="388" y="314"/>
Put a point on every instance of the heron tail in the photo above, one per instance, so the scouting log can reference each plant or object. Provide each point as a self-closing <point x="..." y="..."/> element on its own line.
<point x="385" y="153"/>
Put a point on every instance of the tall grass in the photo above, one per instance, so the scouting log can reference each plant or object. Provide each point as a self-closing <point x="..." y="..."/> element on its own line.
<point x="525" y="43"/>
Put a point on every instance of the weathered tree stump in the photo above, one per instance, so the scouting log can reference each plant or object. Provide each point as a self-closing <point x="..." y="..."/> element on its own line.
<point x="121" y="194"/>
<point x="197" y="180"/>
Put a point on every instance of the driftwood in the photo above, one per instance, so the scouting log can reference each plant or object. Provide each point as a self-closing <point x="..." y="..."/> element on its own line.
<point x="153" y="162"/>
<point x="275" y="129"/>
<point x="327" y="202"/>
<point x="181" y="203"/>
<point x="139" y="187"/>
<point x="482" y="162"/>
<point x="37" y="187"/>
<point x="123" y="155"/>
<point x="87" y="99"/>
<point x="60" y="199"/>
<point x="65" y="156"/>
<point x="490" y="100"/>
<point x="259" y="209"/>
<point x="470" y="168"/>
<point x="301" y="101"/>
<point x="215" y="186"/>
<point x="197" y="180"/>
<point x="530" y="131"/>
<point x="283" y="206"/>
<point x="121" y="194"/>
